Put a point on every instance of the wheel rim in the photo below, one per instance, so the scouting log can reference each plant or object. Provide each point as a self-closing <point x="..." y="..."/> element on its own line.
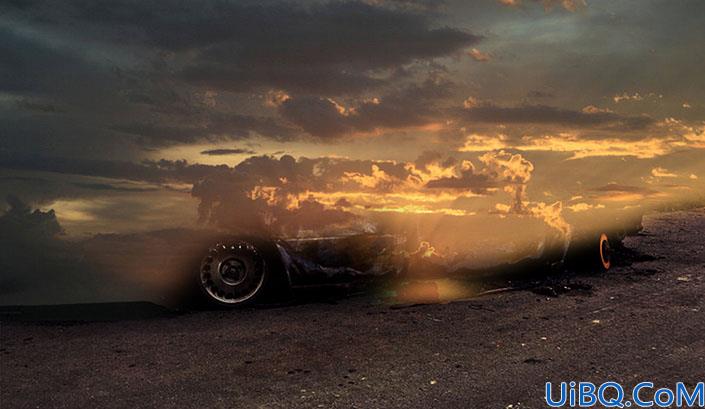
<point x="233" y="271"/>
<point x="605" y="252"/>
<point x="232" y="274"/>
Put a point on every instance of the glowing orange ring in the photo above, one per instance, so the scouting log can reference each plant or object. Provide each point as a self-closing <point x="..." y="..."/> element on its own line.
<point x="604" y="258"/>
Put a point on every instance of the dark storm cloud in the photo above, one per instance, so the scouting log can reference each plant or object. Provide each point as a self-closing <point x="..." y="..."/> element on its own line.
<point x="58" y="100"/>
<point x="536" y="94"/>
<point x="413" y="5"/>
<point x="328" y="48"/>
<point x="233" y="151"/>
<point x="38" y="106"/>
<point x="147" y="171"/>
<point x="410" y="106"/>
<point x="543" y="114"/>
<point x="48" y="77"/>
<point x="619" y="188"/>
<point x="118" y="77"/>
<point x="427" y="158"/>
<point x="30" y="239"/>
<point x="569" y="5"/>
<point x="112" y="188"/>
<point x="201" y="126"/>
<point x="38" y="266"/>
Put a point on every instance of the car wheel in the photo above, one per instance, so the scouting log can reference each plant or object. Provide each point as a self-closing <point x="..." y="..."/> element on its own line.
<point x="233" y="274"/>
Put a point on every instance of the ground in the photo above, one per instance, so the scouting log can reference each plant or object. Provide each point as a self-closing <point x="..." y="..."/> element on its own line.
<point x="643" y="321"/>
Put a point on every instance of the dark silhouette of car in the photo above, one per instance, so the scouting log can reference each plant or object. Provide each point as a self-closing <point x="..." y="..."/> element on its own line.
<point x="239" y="270"/>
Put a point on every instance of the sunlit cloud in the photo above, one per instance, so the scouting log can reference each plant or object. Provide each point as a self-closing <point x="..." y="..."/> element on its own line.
<point x="591" y="109"/>
<point x="470" y="102"/>
<point x="635" y="97"/>
<point x="660" y="172"/>
<point x="483" y="143"/>
<point x="583" y="148"/>
<point x="667" y="137"/>
<point x="479" y="56"/>
<point x="583" y="207"/>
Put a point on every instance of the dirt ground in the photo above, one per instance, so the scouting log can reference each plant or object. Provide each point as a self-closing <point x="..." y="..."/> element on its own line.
<point x="643" y="321"/>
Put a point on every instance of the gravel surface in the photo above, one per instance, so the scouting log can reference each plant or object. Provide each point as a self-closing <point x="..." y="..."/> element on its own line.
<point x="642" y="321"/>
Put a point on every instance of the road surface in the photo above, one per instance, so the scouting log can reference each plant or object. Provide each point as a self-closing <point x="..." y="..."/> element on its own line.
<point x="643" y="321"/>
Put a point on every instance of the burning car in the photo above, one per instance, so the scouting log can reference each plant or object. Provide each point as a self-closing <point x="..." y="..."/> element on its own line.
<point x="298" y="222"/>
<point x="239" y="270"/>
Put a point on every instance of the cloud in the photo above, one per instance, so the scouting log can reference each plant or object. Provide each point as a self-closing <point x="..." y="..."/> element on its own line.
<point x="543" y="114"/>
<point x="162" y="171"/>
<point x="569" y="5"/>
<point x="233" y="151"/>
<point x="512" y="3"/>
<point x="479" y="56"/>
<point x="124" y="76"/>
<point x="328" y="48"/>
<point x="635" y="97"/>
<point x="112" y="187"/>
<point x="626" y="97"/>
<point x="468" y="180"/>
<point x="470" y="102"/>
<point x="660" y="139"/>
<point x="411" y="106"/>
<point x="40" y="266"/>
<point x="214" y="126"/>
<point x="318" y="49"/>
<point x="583" y="207"/>
<point x="263" y="193"/>
<point x="37" y="266"/>
<point x="38" y="106"/>
<point x="20" y="222"/>
<point x="582" y="147"/>
<point x="537" y="94"/>
<point x="660" y="172"/>
<point x="500" y="169"/>
<point x="483" y="143"/>
<point x="622" y="193"/>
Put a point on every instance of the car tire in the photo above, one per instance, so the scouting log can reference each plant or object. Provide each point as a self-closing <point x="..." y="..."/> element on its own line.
<point x="234" y="274"/>
<point x="591" y="252"/>
<point x="605" y="252"/>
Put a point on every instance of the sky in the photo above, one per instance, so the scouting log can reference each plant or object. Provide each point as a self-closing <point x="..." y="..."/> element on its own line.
<point x="134" y="116"/>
